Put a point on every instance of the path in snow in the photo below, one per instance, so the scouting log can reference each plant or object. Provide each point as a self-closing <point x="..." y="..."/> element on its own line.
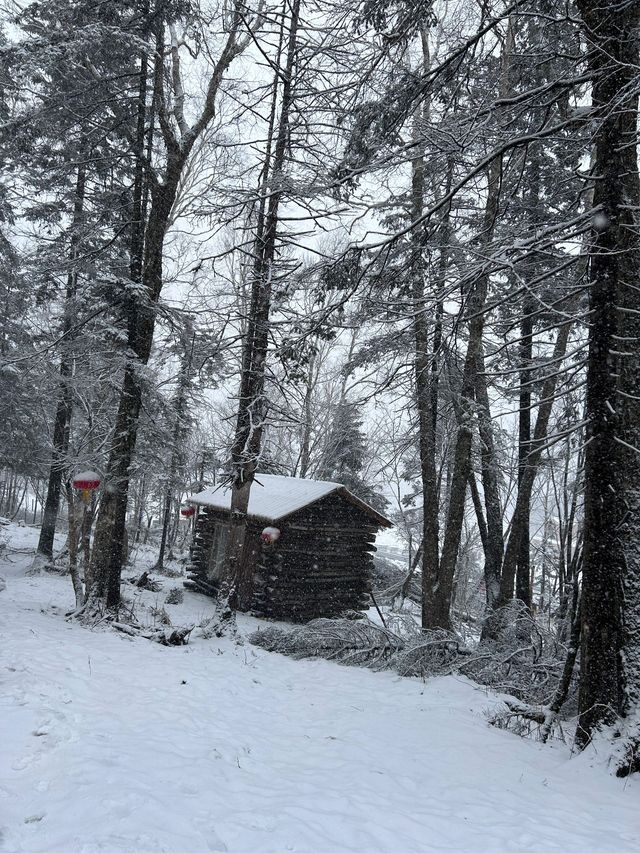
<point x="113" y="745"/>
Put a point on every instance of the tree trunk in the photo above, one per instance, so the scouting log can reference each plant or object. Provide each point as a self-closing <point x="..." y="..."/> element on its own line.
<point x="305" y="448"/>
<point x="523" y="571"/>
<point x="178" y="436"/>
<point x="251" y="404"/>
<point x="146" y="268"/>
<point x="436" y="606"/>
<point x="610" y="652"/>
<point x="494" y="547"/>
<point x="424" y="376"/>
<point x="62" y="419"/>
<point x="73" y="548"/>
<point x="139" y="511"/>
<point x="439" y="585"/>
<point x="107" y="555"/>
<point x="520" y="515"/>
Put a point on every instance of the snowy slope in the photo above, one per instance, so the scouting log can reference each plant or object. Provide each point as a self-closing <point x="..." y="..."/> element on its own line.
<point x="113" y="745"/>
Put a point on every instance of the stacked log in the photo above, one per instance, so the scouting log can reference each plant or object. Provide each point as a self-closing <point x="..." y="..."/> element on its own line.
<point x="197" y="569"/>
<point x="320" y="566"/>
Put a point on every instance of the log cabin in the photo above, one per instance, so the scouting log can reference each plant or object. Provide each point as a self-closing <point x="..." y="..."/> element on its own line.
<point x="309" y="547"/>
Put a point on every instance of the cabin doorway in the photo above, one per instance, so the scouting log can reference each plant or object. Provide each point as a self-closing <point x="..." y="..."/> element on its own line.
<point x="218" y="552"/>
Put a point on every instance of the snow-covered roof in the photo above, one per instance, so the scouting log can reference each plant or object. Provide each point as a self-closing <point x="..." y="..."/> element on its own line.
<point x="274" y="497"/>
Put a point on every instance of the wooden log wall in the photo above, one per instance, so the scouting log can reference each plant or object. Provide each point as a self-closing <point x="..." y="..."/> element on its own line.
<point x="198" y="568"/>
<point x="320" y="566"/>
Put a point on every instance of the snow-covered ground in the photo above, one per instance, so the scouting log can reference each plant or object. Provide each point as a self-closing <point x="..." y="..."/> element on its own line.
<point x="117" y="745"/>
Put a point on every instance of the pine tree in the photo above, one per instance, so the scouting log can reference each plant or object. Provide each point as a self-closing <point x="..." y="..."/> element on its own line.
<point x="344" y="454"/>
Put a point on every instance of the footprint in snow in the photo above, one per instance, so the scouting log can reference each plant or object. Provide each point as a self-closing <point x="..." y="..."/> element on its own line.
<point x="51" y="733"/>
<point x="26" y="761"/>
<point x="126" y="844"/>
<point x="210" y="836"/>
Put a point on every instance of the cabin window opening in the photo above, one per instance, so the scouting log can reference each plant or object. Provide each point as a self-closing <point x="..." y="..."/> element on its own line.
<point x="218" y="552"/>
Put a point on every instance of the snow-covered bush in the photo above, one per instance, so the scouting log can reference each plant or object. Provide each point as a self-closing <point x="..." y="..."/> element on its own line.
<point x="175" y="596"/>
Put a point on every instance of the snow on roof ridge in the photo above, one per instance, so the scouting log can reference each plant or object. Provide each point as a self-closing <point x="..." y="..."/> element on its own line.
<point x="277" y="496"/>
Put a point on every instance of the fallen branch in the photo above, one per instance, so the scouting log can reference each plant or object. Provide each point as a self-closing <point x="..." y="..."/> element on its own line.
<point x="145" y="581"/>
<point x="547" y="715"/>
<point x="166" y="636"/>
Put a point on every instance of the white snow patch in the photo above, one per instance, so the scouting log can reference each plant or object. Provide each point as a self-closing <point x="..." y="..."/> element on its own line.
<point x="600" y="221"/>
<point x="87" y="475"/>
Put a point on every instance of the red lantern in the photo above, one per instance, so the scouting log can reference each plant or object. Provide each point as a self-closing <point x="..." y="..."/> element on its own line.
<point x="188" y="511"/>
<point x="86" y="482"/>
<point x="270" y="535"/>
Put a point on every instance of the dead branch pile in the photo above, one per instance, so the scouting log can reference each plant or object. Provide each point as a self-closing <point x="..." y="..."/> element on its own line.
<point x="145" y="581"/>
<point x="126" y="621"/>
<point x="519" y="657"/>
<point x="435" y="653"/>
<point x="359" y="643"/>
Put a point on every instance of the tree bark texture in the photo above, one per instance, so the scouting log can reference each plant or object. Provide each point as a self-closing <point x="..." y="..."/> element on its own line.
<point x="610" y="651"/>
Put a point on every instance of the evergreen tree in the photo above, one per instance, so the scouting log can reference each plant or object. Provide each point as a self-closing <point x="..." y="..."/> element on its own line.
<point x="345" y="455"/>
